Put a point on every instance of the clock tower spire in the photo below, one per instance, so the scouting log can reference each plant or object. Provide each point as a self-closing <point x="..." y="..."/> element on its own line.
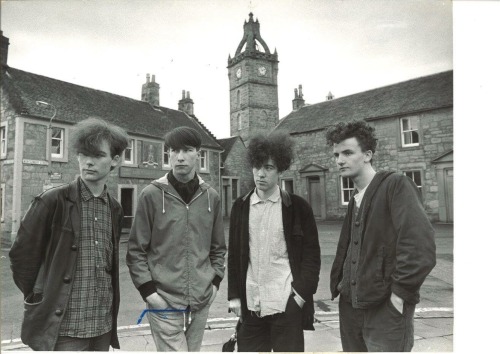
<point x="253" y="84"/>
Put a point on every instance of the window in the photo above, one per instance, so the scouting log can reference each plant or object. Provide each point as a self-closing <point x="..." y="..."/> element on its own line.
<point x="239" y="122"/>
<point x="3" y="141"/>
<point x="409" y="132"/>
<point x="166" y="156"/>
<point x="129" y="153"/>
<point x="416" y="177"/>
<point x="287" y="185"/>
<point x="57" y="145"/>
<point x="204" y="160"/>
<point x="347" y="189"/>
<point x="2" y="201"/>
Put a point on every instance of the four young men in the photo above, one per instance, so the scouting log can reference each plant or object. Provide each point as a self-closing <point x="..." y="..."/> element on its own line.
<point x="65" y="256"/>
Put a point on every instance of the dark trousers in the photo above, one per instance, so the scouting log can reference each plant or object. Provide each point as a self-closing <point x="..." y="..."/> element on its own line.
<point x="379" y="329"/>
<point x="281" y="332"/>
<point x="94" y="344"/>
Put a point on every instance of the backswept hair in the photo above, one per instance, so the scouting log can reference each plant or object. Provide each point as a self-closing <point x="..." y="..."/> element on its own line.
<point x="359" y="129"/>
<point x="91" y="132"/>
<point x="278" y="146"/>
<point x="182" y="137"/>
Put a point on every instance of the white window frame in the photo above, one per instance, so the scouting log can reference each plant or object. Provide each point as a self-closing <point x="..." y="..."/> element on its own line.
<point x="411" y="175"/>
<point x="3" y="202"/>
<point x="204" y="161"/>
<point x="63" y="155"/>
<point x="134" y="196"/>
<point x="344" y="188"/>
<point x="3" y="140"/>
<point x="133" y="152"/>
<point x="166" y="152"/>
<point x="413" y="124"/>
<point x="62" y="142"/>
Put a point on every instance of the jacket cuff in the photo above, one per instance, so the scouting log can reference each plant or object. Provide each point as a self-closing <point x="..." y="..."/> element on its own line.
<point x="216" y="281"/>
<point x="412" y="298"/>
<point x="147" y="289"/>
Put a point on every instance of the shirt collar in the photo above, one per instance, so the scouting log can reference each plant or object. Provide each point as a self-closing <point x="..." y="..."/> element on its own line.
<point x="86" y="194"/>
<point x="275" y="197"/>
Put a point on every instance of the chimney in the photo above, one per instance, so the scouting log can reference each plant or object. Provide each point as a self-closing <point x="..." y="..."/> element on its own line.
<point x="186" y="103"/>
<point x="298" y="101"/>
<point x="329" y="97"/>
<point x="4" y="53"/>
<point x="151" y="91"/>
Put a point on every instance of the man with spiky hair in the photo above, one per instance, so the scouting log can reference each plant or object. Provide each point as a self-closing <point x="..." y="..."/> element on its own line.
<point x="65" y="256"/>
<point x="274" y="256"/>
<point x="385" y="251"/>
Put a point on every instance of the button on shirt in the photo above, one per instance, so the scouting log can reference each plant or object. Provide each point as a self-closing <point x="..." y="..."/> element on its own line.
<point x="269" y="276"/>
<point x="89" y="311"/>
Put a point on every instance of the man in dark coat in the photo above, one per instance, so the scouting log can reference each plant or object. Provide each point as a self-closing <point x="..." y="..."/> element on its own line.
<point x="274" y="256"/>
<point x="386" y="248"/>
<point x="65" y="256"/>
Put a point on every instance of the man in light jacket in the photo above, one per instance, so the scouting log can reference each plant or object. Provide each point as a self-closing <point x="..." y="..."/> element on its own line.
<point x="176" y="248"/>
<point x="386" y="248"/>
<point x="65" y="256"/>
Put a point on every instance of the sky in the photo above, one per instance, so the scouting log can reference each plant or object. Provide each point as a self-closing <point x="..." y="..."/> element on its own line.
<point x="342" y="47"/>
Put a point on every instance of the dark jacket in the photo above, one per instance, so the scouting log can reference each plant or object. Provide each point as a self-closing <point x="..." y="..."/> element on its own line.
<point x="301" y="237"/>
<point x="45" y="253"/>
<point x="397" y="248"/>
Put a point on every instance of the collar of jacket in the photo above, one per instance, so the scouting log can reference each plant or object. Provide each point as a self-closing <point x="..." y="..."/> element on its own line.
<point x="285" y="197"/>
<point x="379" y="177"/>
<point x="165" y="184"/>
<point x="73" y="195"/>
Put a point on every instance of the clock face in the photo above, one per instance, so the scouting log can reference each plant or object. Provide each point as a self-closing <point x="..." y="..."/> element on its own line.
<point x="262" y="71"/>
<point x="238" y="73"/>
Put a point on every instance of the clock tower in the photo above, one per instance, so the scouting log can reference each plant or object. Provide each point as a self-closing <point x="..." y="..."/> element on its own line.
<point x="253" y="84"/>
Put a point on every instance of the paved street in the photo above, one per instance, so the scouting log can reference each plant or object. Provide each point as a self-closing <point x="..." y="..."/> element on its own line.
<point x="433" y="324"/>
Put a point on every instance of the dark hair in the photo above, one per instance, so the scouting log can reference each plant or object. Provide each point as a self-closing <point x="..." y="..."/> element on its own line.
<point x="182" y="137"/>
<point x="278" y="146"/>
<point x="360" y="130"/>
<point x="91" y="132"/>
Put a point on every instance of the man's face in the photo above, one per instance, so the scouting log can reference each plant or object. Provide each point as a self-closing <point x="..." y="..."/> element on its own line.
<point x="266" y="177"/>
<point x="184" y="161"/>
<point x="350" y="159"/>
<point x="95" y="168"/>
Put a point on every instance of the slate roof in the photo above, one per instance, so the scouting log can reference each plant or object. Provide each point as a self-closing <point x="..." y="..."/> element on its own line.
<point x="227" y="145"/>
<point x="417" y="95"/>
<point x="75" y="103"/>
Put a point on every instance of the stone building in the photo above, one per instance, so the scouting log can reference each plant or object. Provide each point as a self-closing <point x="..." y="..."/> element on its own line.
<point x="414" y="127"/>
<point x="38" y="114"/>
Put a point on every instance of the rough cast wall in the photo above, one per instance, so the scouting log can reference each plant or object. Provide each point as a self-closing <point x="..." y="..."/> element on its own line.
<point x="7" y="166"/>
<point x="237" y="165"/>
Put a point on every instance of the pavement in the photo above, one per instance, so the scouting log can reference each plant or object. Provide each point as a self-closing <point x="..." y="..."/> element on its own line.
<point x="434" y="315"/>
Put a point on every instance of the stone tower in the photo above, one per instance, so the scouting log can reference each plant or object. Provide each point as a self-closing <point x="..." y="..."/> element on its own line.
<point x="253" y="84"/>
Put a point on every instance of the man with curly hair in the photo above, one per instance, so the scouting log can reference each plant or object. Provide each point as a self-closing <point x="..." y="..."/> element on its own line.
<point x="274" y="256"/>
<point x="385" y="251"/>
<point x="65" y="257"/>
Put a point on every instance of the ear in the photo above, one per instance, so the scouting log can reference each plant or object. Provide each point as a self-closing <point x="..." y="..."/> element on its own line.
<point x="116" y="161"/>
<point x="368" y="155"/>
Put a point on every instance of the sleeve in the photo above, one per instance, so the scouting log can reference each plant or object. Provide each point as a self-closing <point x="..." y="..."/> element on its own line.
<point x="310" y="262"/>
<point x="26" y="254"/>
<point x="218" y="245"/>
<point x="138" y="247"/>
<point x="415" y="248"/>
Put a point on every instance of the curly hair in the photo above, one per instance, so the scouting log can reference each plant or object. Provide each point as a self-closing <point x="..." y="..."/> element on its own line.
<point x="360" y="130"/>
<point x="278" y="146"/>
<point x="91" y="132"/>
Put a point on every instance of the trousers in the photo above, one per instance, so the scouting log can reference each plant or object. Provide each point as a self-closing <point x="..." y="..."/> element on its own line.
<point x="94" y="344"/>
<point x="281" y="332"/>
<point x="379" y="329"/>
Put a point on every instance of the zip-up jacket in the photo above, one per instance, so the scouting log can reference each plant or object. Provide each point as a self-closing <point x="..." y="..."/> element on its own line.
<point x="177" y="249"/>
<point x="396" y="248"/>
<point x="301" y="237"/>
<point x="44" y="254"/>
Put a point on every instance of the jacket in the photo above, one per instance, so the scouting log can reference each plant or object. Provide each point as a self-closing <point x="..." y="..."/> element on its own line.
<point x="301" y="237"/>
<point x="397" y="247"/>
<point x="45" y="252"/>
<point x="175" y="248"/>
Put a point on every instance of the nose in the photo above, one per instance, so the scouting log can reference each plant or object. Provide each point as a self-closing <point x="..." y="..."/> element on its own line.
<point x="89" y="161"/>
<point x="180" y="156"/>
<point x="261" y="172"/>
<point x="339" y="161"/>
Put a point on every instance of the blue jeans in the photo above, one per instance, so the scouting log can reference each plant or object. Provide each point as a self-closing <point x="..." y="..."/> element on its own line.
<point x="169" y="333"/>
<point x="379" y="329"/>
<point x="94" y="344"/>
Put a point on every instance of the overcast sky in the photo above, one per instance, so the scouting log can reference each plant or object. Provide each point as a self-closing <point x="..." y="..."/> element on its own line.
<point x="326" y="45"/>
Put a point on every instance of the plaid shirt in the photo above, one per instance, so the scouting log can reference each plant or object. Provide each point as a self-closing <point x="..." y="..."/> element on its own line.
<point x="89" y="311"/>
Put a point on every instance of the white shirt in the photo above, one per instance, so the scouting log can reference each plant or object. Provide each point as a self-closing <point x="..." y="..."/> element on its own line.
<point x="269" y="276"/>
<point x="358" y="198"/>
